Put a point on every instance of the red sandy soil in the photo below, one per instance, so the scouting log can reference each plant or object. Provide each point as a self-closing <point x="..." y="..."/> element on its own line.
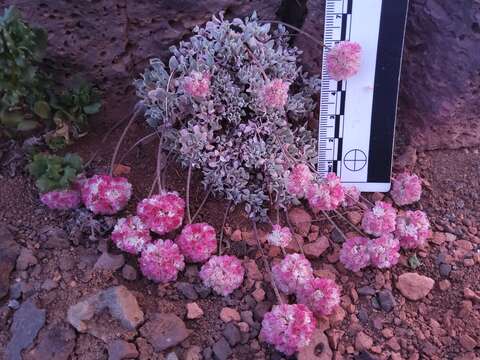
<point x="443" y="325"/>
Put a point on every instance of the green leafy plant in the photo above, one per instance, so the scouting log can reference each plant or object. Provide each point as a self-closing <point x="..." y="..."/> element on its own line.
<point x="21" y="84"/>
<point x="27" y="100"/>
<point x="54" y="172"/>
<point x="70" y="111"/>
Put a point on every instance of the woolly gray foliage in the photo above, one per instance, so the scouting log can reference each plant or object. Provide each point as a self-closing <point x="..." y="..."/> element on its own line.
<point x="243" y="148"/>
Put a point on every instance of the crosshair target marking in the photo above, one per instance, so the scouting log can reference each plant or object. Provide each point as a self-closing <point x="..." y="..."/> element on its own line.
<point x="355" y="160"/>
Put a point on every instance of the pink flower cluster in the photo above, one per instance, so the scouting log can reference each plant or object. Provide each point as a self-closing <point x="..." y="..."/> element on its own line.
<point x="413" y="229"/>
<point x="280" y="236"/>
<point x="321" y="295"/>
<point x="359" y="252"/>
<point x="161" y="261"/>
<point x="298" y="180"/>
<point x="274" y="94"/>
<point x="343" y="60"/>
<point x="352" y="196"/>
<point x="162" y="213"/>
<point x="61" y="199"/>
<point x="355" y="254"/>
<point x="292" y="273"/>
<point x="197" y="84"/>
<point x="131" y="234"/>
<point x="380" y="219"/>
<point x="406" y="189"/>
<point x="197" y="242"/>
<point x="106" y="195"/>
<point x="223" y="274"/>
<point x="384" y="251"/>
<point x="288" y="327"/>
<point x="327" y="195"/>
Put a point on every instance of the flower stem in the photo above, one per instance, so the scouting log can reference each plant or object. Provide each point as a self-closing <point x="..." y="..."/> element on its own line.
<point x="265" y="263"/>
<point x="223" y="226"/>
<point x="202" y="204"/>
<point x="189" y="179"/>
<point x="334" y="225"/>
<point x="350" y="223"/>
<point x="120" y="140"/>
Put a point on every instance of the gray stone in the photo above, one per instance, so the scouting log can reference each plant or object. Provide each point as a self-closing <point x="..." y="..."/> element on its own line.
<point x="445" y="269"/>
<point x="49" y="284"/>
<point x="27" y="322"/>
<point x="120" y="349"/>
<point x="54" y="238"/>
<point x="129" y="273"/>
<point x="187" y="290"/>
<point x="121" y="303"/>
<point x="9" y="251"/>
<point x="25" y="259"/>
<point x="232" y="334"/>
<point x="55" y="343"/>
<point x="109" y="262"/>
<point x="366" y="291"/>
<point x="164" y="331"/>
<point x="221" y="349"/>
<point x="386" y="300"/>
<point x="261" y="309"/>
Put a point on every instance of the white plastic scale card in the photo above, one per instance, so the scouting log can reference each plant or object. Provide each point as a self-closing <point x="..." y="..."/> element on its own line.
<point x="357" y="115"/>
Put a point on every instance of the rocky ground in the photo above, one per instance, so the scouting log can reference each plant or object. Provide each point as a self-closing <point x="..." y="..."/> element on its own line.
<point x="66" y="293"/>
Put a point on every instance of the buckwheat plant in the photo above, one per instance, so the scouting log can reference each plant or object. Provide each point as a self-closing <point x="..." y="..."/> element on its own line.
<point x="234" y="103"/>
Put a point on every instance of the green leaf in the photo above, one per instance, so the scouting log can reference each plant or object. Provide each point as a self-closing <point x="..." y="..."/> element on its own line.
<point x="74" y="161"/>
<point x="414" y="261"/>
<point x="42" y="109"/>
<point x="28" y="125"/>
<point x="11" y="118"/>
<point x="92" y="108"/>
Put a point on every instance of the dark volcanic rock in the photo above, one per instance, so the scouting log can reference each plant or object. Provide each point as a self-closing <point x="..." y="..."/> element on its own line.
<point x="120" y="349"/>
<point x="27" y="321"/>
<point x="221" y="349"/>
<point x="9" y="251"/>
<point x="120" y="302"/>
<point x="56" y="343"/>
<point x="386" y="300"/>
<point x="164" y="331"/>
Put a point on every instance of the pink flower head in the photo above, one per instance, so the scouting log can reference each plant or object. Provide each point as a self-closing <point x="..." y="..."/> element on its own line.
<point x="280" y="236"/>
<point x="318" y="195"/>
<point x="337" y="192"/>
<point x="197" y="84"/>
<point x="223" y="274"/>
<point x="292" y="273"/>
<point x="106" y="195"/>
<point x="406" y="189"/>
<point x="343" y="60"/>
<point x="352" y="196"/>
<point x="131" y="234"/>
<point x="197" y="242"/>
<point x="413" y="229"/>
<point x="354" y="254"/>
<point x="162" y="213"/>
<point x="298" y="180"/>
<point x="161" y="261"/>
<point x="288" y="327"/>
<point x="380" y="219"/>
<point x="384" y="251"/>
<point x="274" y="94"/>
<point x="61" y="199"/>
<point x="321" y="295"/>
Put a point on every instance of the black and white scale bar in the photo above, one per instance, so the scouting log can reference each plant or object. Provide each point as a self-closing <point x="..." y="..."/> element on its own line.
<point x="357" y="116"/>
